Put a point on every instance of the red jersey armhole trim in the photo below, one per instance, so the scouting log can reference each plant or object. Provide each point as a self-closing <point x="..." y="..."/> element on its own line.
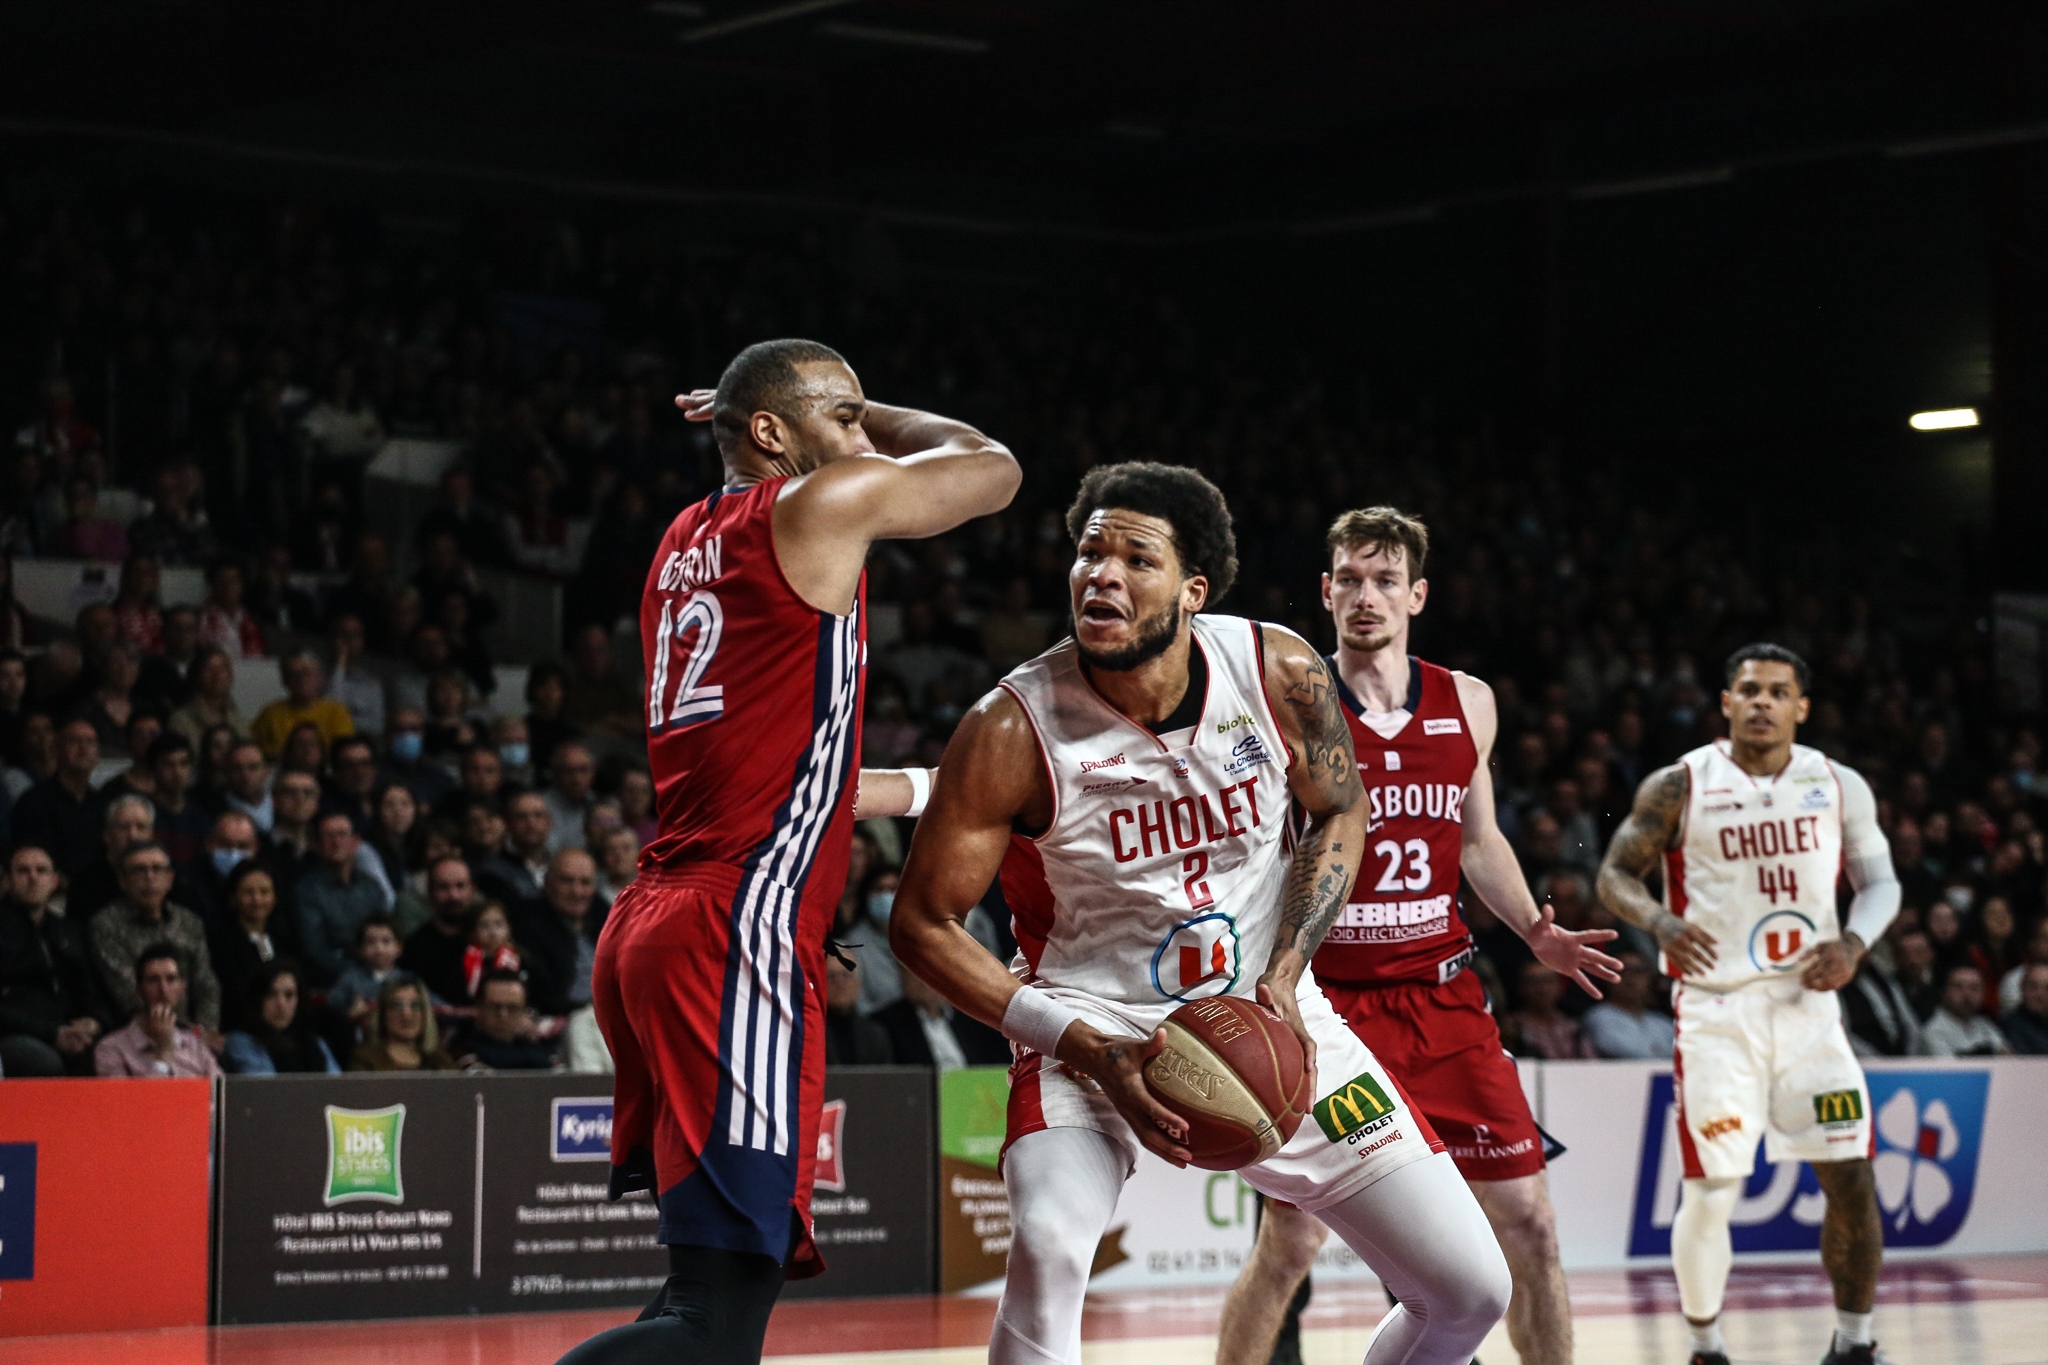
<point x="1044" y="759"/>
<point x="1272" y="717"/>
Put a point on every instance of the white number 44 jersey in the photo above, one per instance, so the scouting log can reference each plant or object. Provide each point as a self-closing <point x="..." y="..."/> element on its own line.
<point x="1758" y="859"/>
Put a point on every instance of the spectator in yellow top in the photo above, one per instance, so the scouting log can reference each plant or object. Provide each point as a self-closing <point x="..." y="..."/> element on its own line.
<point x="305" y="685"/>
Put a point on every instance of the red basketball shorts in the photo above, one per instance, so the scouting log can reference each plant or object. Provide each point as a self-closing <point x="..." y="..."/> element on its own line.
<point x="1442" y="1044"/>
<point x="712" y="1003"/>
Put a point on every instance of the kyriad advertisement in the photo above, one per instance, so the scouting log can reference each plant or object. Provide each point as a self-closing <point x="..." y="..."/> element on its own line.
<point x="1955" y="1142"/>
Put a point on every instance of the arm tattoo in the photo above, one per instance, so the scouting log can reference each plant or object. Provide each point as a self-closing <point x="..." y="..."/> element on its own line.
<point x="1317" y="881"/>
<point x="1640" y="842"/>
<point x="1326" y="751"/>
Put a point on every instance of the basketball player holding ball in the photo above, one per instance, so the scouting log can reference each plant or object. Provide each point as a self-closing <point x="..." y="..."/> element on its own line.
<point x="1131" y="785"/>
<point x="1394" y="964"/>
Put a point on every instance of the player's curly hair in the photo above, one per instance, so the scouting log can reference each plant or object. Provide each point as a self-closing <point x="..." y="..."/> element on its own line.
<point x="1177" y="495"/>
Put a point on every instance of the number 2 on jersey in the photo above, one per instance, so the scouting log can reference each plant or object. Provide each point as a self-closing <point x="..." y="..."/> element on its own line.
<point x="684" y="644"/>
<point x="1415" y="854"/>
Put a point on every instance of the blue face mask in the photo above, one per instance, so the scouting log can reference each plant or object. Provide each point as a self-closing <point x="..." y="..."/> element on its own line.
<point x="514" y="755"/>
<point x="880" y="903"/>
<point x="408" y="745"/>
<point x="225" y="859"/>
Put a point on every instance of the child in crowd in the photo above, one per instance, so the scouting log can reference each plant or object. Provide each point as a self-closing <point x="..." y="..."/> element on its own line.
<point x="354" y="993"/>
<point x="490" y="947"/>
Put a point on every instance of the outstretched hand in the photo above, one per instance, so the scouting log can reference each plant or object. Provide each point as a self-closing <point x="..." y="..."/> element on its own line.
<point x="1571" y="952"/>
<point x="1118" y="1066"/>
<point x="697" y="404"/>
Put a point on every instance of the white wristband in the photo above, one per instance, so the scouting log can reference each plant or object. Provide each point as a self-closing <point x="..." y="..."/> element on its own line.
<point x="920" y="789"/>
<point x="1036" y="1020"/>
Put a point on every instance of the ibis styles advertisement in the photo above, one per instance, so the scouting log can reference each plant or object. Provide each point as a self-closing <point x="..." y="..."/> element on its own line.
<point x="380" y="1196"/>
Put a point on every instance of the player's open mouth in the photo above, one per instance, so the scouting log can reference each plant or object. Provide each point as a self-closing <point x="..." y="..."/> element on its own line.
<point x="1101" y="611"/>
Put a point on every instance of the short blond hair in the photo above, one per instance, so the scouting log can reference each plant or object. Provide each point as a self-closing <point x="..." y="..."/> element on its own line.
<point x="1381" y="529"/>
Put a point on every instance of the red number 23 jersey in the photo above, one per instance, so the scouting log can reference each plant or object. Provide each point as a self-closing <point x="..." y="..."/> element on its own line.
<point x="1402" y="924"/>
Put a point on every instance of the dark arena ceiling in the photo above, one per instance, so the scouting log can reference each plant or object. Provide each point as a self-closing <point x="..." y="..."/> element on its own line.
<point x="1116" y="121"/>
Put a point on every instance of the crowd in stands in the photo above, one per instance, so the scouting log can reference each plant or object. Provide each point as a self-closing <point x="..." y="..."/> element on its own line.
<point x="392" y="867"/>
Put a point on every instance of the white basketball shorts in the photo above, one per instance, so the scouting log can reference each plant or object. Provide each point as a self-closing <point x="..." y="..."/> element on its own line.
<point x="1361" y="1127"/>
<point x="1772" y="1059"/>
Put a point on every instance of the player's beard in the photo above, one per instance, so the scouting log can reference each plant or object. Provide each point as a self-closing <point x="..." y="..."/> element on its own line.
<point x="1155" y="635"/>
<point x="1381" y="637"/>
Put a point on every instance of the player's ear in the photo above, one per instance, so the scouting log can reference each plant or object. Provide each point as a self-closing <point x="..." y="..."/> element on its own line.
<point x="1727" y="703"/>
<point x="1418" y="593"/>
<point x="1194" y="593"/>
<point x="1804" y="709"/>
<point x="1327" y="604"/>
<point x="768" y="432"/>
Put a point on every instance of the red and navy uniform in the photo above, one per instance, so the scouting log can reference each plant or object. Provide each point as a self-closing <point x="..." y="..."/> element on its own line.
<point x="1394" y="963"/>
<point x="709" y="979"/>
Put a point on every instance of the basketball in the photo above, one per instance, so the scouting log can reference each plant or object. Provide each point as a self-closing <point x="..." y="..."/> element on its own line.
<point x="1235" y="1071"/>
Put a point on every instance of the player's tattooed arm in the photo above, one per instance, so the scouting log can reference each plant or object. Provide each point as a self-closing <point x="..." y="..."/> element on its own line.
<point x="1324" y="782"/>
<point x="1638" y="845"/>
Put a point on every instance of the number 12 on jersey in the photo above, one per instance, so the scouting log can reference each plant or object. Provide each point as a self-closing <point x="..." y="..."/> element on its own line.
<point x="684" y="645"/>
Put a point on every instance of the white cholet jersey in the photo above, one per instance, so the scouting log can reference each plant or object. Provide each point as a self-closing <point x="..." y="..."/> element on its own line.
<point x="1159" y="878"/>
<point x="1758" y="859"/>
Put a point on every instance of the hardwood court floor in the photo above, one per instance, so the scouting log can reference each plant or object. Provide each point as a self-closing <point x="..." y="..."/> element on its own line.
<point x="1967" y="1311"/>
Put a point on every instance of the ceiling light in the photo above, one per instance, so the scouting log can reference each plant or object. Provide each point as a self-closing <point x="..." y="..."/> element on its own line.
<point x="1944" y="419"/>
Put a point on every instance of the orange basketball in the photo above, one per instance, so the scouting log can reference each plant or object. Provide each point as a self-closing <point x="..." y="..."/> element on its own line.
<point x="1235" y="1071"/>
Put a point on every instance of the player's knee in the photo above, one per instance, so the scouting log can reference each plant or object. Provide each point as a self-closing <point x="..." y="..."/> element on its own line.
<point x="1528" y="1231"/>
<point x="1289" y="1242"/>
<point x="1479" y="1295"/>
<point x="1710" y="1199"/>
<point x="1043" y="1245"/>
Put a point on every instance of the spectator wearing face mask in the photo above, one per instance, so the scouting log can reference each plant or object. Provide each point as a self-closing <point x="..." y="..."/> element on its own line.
<point x="881" y="974"/>
<point x="278" y="1039"/>
<point x="406" y="761"/>
<point x="1959" y="1028"/>
<point x="515" y="753"/>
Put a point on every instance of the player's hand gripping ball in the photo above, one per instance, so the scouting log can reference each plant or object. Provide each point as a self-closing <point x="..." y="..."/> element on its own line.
<point x="1234" y="1070"/>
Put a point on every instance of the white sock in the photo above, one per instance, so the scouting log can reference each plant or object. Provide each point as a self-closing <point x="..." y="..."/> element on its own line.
<point x="1708" y="1337"/>
<point x="1851" y="1329"/>
<point x="1701" y="1251"/>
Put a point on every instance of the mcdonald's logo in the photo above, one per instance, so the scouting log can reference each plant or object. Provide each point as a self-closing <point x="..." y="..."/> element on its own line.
<point x="1345" y="1111"/>
<point x="1838" y="1106"/>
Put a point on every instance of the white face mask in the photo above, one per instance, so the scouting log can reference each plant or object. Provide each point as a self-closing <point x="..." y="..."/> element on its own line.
<point x="880" y="903"/>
